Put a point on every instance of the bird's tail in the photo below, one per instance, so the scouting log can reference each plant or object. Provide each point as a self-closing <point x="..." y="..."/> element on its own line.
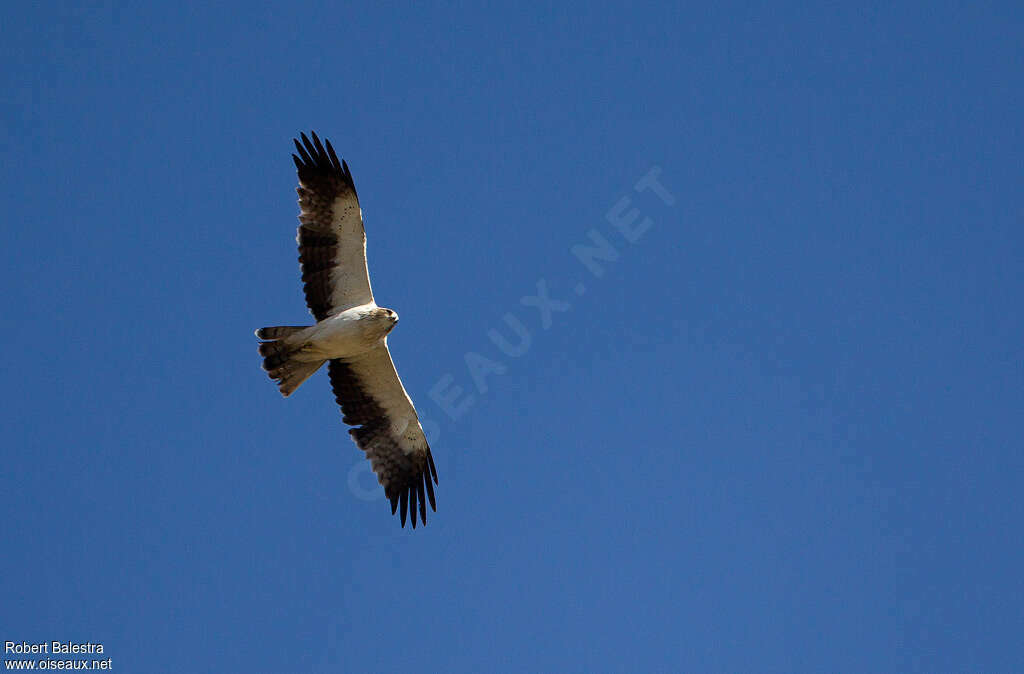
<point x="281" y="357"/>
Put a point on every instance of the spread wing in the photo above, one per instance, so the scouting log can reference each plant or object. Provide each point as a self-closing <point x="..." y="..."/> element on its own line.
<point x="373" y="400"/>
<point x="332" y="241"/>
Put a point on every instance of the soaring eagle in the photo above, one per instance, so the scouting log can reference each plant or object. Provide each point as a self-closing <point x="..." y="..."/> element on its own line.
<point x="350" y="335"/>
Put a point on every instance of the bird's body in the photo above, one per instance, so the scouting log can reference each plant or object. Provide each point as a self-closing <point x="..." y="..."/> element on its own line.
<point x="350" y="334"/>
<point x="345" y="335"/>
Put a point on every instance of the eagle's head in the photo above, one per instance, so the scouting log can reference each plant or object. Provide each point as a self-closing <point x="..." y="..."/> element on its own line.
<point x="386" y="316"/>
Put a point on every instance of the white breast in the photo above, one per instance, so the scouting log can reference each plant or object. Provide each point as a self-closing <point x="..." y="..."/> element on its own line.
<point x="347" y="334"/>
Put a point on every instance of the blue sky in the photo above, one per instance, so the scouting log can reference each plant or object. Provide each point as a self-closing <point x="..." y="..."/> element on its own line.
<point x="779" y="431"/>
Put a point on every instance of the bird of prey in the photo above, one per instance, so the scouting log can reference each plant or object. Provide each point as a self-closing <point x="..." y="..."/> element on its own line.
<point x="350" y="334"/>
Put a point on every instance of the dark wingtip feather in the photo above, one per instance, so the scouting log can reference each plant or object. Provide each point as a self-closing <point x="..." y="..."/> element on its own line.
<point x="423" y="503"/>
<point x="302" y="151"/>
<point x="433" y="468"/>
<point x="404" y="502"/>
<point x="321" y="153"/>
<point x="333" y="155"/>
<point x="430" y="491"/>
<point x="394" y="504"/>
<point x="412" y="506"/>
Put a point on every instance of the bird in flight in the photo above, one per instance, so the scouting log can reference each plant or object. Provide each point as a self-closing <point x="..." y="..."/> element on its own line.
<point x="350" y="334"/>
